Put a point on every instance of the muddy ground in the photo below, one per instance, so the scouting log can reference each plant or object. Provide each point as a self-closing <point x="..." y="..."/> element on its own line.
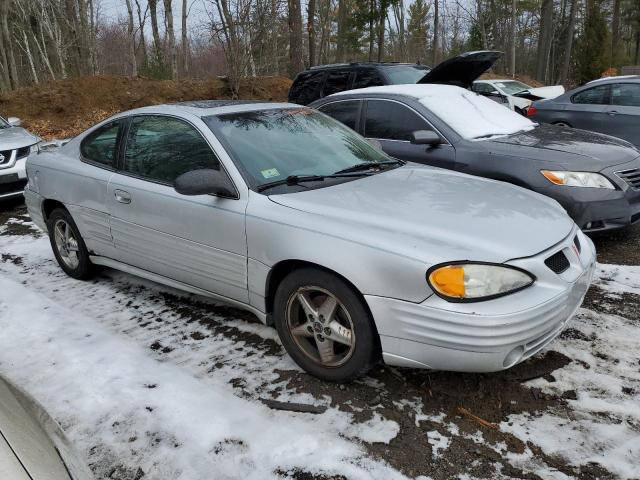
<point x="466" y="403"/>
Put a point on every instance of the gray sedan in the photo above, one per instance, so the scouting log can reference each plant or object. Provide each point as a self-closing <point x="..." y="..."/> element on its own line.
<point x="32" y="444"/>
<point x="352" y="255"/>
<point x="596" y="178"/>
<point x="609" y="105"/>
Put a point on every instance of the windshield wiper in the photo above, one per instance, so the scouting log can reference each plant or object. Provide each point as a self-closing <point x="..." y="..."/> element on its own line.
<point x="358" y="167"/>
<point x="298" y="179"/>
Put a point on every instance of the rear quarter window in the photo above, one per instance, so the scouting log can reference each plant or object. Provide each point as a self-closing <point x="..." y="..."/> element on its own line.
<point x="100" y="146"/>
<point x="306" y="87"/>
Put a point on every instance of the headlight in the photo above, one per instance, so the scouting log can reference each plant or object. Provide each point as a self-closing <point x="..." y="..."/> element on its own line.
<point x="577" y="179"/>
<point x="34" y="148"/>
<point x="469" y="282"/>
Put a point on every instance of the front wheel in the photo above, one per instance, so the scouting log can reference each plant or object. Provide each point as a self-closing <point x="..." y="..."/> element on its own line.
<point x="68" y="246"/>
<point x="324" y="325"/>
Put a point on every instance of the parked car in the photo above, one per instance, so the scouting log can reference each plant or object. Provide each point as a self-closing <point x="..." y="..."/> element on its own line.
<point x="609" y="105"/>
<point x="324" y="80"/>
<point x="15" y="145"/>
<point x="519" y="96"/>
<point x="32" y="444"/>
<point x="352" y="255"/>
<point x="596" y="178"/>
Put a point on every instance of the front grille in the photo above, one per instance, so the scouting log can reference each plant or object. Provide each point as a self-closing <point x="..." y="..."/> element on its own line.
<point x="576" y="242"/>
<point x="12" y="187"/>
<point x="23" y="152"/>
<point x="6" y="156"/>
<point x="632" y="177"/>
<point x="557" y="262"/>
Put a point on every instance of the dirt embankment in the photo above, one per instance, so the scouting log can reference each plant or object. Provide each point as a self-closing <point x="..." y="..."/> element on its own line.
<point x="67" y="107"/>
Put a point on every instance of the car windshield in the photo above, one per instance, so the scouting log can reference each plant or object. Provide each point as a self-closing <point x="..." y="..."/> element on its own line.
<point x="271" y="145"/>
<point x="405" y="74"/>
<point x="512" y="86"/>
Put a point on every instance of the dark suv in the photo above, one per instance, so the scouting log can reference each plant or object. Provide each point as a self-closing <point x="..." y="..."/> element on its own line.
<point x="323" y="80"/>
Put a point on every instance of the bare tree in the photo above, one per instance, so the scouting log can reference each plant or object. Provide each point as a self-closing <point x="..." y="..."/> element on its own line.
<point x="173" y="57"/>
<point x="132" y="40"/>
<point x="568" y="45"/>
<point x="185" y="38"/>
<point x="544" y="40"/>
<point x="296" y="61"/>
<point x="311" y="12"/>
<point x="436" y="28"/>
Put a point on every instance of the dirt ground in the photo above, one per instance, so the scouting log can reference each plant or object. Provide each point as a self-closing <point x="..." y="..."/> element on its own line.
<point x="458" y="406"/>
<point x="67" y="107"/>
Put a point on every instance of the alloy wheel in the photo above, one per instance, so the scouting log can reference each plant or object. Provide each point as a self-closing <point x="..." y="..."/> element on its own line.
<point x="321" y="326"/>
<point x="66" y="244"/>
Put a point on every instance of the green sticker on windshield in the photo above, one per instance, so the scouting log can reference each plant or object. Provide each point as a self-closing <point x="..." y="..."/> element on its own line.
<point x="270" y="173"/>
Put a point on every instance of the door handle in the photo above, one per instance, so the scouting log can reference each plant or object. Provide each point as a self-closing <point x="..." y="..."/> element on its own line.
<point x="122" y="196"/>
<point x="612" y="113"/>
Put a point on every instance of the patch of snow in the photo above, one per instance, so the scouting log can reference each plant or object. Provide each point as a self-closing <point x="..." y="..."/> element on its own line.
<point x="618" y="279"/>
<point x="438" y="442"/>
<point x="471" y="115"/>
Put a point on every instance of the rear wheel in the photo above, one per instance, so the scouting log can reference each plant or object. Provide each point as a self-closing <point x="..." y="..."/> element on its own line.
<point x="324" y="325"/>
<point x="68" y="246"/>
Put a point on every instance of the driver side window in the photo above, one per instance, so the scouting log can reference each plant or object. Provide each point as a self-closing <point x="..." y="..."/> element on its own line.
<point x="162" y="148"/>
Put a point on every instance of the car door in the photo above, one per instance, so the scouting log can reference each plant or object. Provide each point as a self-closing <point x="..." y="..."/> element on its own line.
<point x="624" y="112"/>
<point x="90" y="206"/>
<point x="391" y="123"/>
<point x="588" y="108"/>
<point x="198" y="240"/>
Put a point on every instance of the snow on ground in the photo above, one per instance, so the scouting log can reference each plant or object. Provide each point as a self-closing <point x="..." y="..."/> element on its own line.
<point x="135" y="380"/>
<point x="64" y="342"/>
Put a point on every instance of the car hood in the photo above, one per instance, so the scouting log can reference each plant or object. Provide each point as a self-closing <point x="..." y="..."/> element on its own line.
<point x="16" y="137"/>
<point x="436" y="215"/>
<point x="568" y="148"/>
<point x="462" y="70"/>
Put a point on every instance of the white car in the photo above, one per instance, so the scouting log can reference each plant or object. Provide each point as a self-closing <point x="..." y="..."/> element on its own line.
<point x="519" y="95"/>
<point x="16" y="144"/>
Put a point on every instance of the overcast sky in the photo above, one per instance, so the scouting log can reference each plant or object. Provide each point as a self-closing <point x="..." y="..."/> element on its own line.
<point x="112" y="9"/>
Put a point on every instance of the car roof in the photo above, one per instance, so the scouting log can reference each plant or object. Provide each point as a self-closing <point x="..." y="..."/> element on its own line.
<point x="416" y="91"/>
<point x="614" y="78"/>
<point x="205" y="108"/>
<point x="366" y="64"/>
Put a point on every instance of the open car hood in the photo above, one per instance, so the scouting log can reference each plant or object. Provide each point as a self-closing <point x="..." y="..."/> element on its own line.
<point x="462" y="70"/>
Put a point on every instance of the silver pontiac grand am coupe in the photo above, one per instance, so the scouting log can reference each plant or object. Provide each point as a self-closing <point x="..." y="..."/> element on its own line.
<point x="353" y="256"/>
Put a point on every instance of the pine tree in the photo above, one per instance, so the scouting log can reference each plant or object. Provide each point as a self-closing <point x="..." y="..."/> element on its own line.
<point x="592" y="45"/>
<point x="418" y="31"/>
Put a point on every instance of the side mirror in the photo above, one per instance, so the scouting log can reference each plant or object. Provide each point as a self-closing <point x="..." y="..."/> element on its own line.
<point x="14" y="121"/>
<point x="205" y="182"/>
<point x="425" y="137"/>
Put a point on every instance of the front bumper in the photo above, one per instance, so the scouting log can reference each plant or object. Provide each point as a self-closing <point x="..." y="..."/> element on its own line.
<point x="13" y="179"/>
<point x="492" y="335"/>
<point x="599" y="209"/>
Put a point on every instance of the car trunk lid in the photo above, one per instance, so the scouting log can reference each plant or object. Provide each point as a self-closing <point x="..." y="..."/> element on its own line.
<point x="463" y="69"/>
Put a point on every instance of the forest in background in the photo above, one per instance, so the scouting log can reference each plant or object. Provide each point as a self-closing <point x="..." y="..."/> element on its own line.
<point x="553" y="41"/>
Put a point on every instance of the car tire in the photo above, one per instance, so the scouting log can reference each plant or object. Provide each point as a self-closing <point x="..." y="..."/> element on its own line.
<point x="68" y="246"/>
<point x="562" y="124"/>
<point x="325" y="326"/>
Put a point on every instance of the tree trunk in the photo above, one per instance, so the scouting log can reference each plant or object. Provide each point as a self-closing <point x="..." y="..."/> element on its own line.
<point x="381" y="19"/>
<point x="296" y="61"/>
<point x="132" y="41"/>
<point x="311" y="16"/>
<point x="372" y="9"/>
<point x="568" y="43"/>
<point x="340" y="40"/>
<point x="436" y="27"/>
<point x="544" y="40"/>
<point x="153" y="12"/>
<point x="615" y="33"/>
<point x="168" y="14"/>
<point x="7" y="47"/>
<point x="185" y="38"/>
<point x="483" y="29"/>
<point x="512" y="66"/>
